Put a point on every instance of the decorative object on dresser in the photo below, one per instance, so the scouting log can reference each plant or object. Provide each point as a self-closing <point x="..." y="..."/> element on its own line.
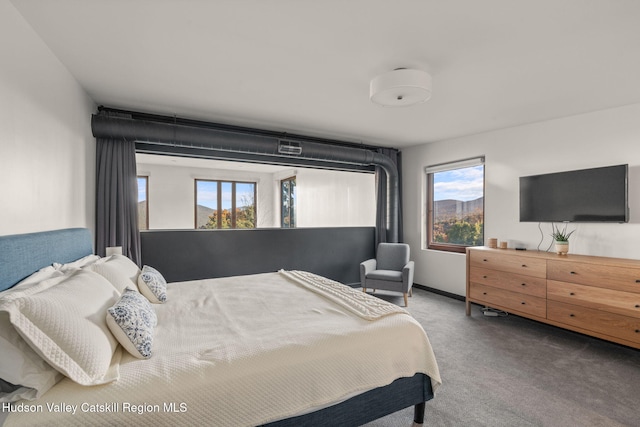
<point x="597" y="296"/>
<point x="561" y="239"/>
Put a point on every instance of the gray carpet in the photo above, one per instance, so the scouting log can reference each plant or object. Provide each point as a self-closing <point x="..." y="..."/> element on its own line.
<point x="511" y="371"/>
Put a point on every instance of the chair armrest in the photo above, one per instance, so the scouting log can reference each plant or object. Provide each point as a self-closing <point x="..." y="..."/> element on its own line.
<point x="366" y="267"/>
<point x="407" y="275"/>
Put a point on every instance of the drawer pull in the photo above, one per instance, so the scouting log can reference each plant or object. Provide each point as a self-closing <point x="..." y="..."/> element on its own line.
<point x="572" y="315"/>
<point x="524" y="265"/>
<point x="637" y="331"/>
<point x="571" y="293"/>
<point x="637" y="280"/>
<point x="637" y="305"/>
<point x="484" y="293"/>
<point x="484" y="277"/>
<point x="524" y="284"/>
<point x="484" y="260"/>
<point x="523" y="303"/>
<point x="572" y="272"/>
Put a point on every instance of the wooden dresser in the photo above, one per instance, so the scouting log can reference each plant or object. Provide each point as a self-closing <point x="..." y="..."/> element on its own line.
<point x="597" y="296"/>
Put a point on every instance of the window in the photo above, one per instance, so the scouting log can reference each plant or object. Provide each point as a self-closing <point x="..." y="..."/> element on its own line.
<point x="143" y="203"/>
<point x="455" y="205"/>
<point x="320" y="198"/>
<point x="288" y="198"/>
<point x="225" y="204"/>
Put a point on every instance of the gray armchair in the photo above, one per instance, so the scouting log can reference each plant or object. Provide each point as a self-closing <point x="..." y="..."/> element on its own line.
<point x="391" y="270"/>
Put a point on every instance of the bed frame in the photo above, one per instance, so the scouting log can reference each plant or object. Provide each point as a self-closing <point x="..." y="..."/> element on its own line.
<point x="24" y="254"/>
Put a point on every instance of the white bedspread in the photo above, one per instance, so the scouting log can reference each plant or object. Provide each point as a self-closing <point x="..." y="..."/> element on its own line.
<point x="247" y="350"/>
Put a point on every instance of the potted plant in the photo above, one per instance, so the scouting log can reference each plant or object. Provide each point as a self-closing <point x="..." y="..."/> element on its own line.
<point x="561" y="239"/>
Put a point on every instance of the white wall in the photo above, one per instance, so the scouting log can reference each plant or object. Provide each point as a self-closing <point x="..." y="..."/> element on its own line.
<point x="324" y="198"/>
<point x="47" y="152"/>
<point x="335" y="199"/>
<point x="596" y="139"/>
<point x="171" y="194"/>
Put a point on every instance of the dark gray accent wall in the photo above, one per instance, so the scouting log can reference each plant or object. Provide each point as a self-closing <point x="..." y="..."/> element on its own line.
<point x="335" y="253"/>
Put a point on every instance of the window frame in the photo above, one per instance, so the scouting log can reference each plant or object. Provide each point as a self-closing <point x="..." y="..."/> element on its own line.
<point x="219" y="209"/>
<point x="146" y="181"/>
<point x="292" y="208"/>
<point x="443" y="167"/>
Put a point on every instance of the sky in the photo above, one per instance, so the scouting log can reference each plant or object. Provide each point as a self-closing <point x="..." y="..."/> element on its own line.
<point x="208" y="193"/>
<point x="142" y="190"/>
<point x="459" y="184"/>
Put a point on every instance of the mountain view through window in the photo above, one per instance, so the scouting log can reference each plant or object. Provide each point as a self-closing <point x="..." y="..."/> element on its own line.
<point x="456" y="215"/>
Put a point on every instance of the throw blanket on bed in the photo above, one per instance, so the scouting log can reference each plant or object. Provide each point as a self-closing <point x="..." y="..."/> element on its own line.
<point x="366" y="306"/>
<point x="246" y="350"/>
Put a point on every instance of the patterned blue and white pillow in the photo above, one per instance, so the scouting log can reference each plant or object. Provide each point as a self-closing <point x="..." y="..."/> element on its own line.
<point x="152" y="285"/>
<point x="131" y="321"/>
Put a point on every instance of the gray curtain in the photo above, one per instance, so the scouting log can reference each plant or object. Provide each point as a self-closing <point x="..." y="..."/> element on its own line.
<point x="381" y="196"/>
<point x="117" y="198"/>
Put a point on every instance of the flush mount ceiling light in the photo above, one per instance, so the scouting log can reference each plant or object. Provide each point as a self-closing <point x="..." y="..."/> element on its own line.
<point x="400" y="88"/>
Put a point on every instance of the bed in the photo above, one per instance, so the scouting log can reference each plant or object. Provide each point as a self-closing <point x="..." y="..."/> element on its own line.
<point x="286" y="348"/>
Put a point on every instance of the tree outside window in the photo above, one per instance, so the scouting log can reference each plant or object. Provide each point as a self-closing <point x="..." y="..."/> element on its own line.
<point x="288" y="198"/>
<point x="143" y="203"/>
<point x="455" y="205"/>
<point x="225" y="204"/>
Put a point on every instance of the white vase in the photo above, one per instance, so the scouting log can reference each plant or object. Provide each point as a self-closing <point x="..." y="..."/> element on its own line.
<point x="562" y="248"/>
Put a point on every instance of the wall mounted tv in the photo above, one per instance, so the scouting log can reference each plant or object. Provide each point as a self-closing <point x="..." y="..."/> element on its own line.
<point x="586" y="195"/>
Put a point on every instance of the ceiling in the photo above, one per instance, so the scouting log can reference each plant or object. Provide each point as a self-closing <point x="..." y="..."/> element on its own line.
<point x="304" y="66"/>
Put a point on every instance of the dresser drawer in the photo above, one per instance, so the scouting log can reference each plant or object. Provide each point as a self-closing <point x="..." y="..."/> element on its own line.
<point x="508" y="300"/>
<point x="530" y="285"/>
<point x="504" y="261"/>
<point x="625" y="303"/>
<point x="612" y="324"/>
<point x="606" y="276"/>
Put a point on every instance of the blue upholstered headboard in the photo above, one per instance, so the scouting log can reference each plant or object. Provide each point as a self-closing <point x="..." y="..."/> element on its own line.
<point x="23" y="254"/>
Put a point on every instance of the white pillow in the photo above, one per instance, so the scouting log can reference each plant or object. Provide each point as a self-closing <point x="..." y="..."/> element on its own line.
<point x="131" y="320"/>
<point x="79" y="263"/>
<point x="40" y="275"/>
<point x="125" y="266"/>
<point x="65" y="324"/>
<point x="19" y="363"/>
<point x="152" y="285"/>
<point x="114" y="273"/>
<point x="10" y="392"/>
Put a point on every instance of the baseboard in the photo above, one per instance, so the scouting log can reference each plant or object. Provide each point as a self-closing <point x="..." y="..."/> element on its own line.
<point x="424" y="288"/>
<point x="439" y="292"/>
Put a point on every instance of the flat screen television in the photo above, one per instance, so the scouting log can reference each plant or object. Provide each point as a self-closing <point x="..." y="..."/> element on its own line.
<point x="586" y="195"/>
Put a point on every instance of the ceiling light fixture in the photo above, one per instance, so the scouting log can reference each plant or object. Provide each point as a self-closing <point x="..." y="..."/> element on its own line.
<point x="400" y="88"/>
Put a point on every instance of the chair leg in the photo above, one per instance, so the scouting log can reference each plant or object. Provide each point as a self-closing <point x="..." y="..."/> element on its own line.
<point x="406" y="301"/>
<point x="411" y="292"/>
<point x="364" y="290"/>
